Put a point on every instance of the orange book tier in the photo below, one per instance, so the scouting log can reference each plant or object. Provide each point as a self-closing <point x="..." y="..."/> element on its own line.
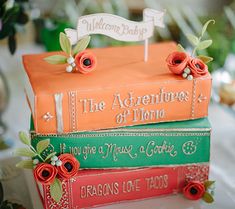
<point x="122" y="91"/>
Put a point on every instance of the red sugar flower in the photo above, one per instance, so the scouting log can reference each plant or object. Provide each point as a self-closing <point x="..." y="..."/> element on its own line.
<point x="69" y="167"/>
<point x="45" y="173"/>
<point x="198" y="67"/>
<point x="194" y="190"/>
<point x="177" y="62"/>
<point x="85" y="62"/>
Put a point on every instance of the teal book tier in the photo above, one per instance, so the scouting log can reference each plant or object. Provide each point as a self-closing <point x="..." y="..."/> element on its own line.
<point x="165" y="144"/>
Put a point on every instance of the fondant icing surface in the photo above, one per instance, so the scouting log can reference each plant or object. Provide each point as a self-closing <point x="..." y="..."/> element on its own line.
<point x="92" y="188"/>
<point x="163" y="144"/>
<point x="122" y="91"/>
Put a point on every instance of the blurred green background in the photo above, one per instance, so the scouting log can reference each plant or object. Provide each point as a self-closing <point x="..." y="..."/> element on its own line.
<point x="182" y="17"/>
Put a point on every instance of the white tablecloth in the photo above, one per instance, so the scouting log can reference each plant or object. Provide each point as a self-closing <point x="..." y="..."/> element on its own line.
<point x="222" y="143"/>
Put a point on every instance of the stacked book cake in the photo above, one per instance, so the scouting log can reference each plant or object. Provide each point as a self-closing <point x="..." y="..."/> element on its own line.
<point x="130" y="129"/>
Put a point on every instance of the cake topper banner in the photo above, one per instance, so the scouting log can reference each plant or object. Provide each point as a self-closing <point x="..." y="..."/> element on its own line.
<point x="117" y="27"/>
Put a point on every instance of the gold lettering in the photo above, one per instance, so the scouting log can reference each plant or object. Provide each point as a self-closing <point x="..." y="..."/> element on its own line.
<point x="152" y="148"/>
<point x="63" y="148"/>
<point x="157" y="182"/>
<point x="161" y="97"/>
<point x="99" y="190"/>
<point x="119" y="103"/>
<point x="146" y="99"/>
<point x="141" y="114"/>
<point x="83" y="192"/>
<point x="114" y="150"/>
<point x="131" y="186"/>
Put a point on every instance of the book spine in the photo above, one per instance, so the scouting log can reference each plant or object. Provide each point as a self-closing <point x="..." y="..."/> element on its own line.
<point x="94" y="109"/>
<point x="109" y="187"/>
<point x="132" y="149"/>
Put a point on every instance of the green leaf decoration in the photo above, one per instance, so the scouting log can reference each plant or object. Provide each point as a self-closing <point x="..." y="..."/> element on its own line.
<point x="56" y="190"/>
<point x="56" y="59"/>
<point x="65" y="43"/>
<point x="24" y="152"/>
<point x="205" y="59"/>
<point x="208" y="184"/>
<point x="207" y="197"/>
<point x="193" y="39"/>
<point x="204" y="44"/>
<point x="50" y="156"/>
<point x="42" y="145"/>
<point x="27" y="164"/>
<point x="181" y="48"/>
<point x="206" y="25"/>
<point x="24" y="138"/>
<point x="81" y="45"/>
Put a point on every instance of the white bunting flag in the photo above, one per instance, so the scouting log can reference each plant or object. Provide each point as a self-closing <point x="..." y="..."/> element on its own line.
<point x="117" y="27"/>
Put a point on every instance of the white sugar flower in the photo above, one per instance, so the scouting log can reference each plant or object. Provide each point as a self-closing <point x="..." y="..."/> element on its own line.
<point x="58" y="163"/>
<point x="70" y="60"/>
<point x="187" y="70"/>
<point x="54" y="158"/>
<point x="35" y="161"/>
<point x="184" y="75"/>
<point x="69" y="69"/>
<point x="190" y="77"/>
<point x="53" y="163"/>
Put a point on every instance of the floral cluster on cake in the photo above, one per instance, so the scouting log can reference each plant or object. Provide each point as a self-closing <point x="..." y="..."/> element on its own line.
<point x="194" y="65"/>
<point x="196" y="190"/>
<point x="51" y="169"/>
<point x="48" y="168"/>
<point x="77" y="58"/>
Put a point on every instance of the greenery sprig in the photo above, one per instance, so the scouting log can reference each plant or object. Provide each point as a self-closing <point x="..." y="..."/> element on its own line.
<point x="12" y="15"/>
<point x="199" y="44"/>
<point x="36" y="156"/>
<point x="31" y="152"/>
<point x="68" y="49"/>
<point x="208" y="195"/>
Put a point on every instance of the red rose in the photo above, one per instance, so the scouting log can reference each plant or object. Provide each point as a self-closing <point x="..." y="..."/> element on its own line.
<point x="85" y="62"/>
<point x="194" y="190"/>
<point x="45" y="173"/>
<point x="198" y="67"/>
<point x="69" y="167"/>
<point x="177" y="62"/>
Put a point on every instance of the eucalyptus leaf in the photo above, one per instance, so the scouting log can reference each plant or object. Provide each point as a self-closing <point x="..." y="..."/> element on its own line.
<point x="193" y="39"/>
<point x="24" y="138"/>
<point x="27" y="164"/>
<point x="42" y="145"/>
<point x="65" y="43"/>
<point x="50" y="156"/>
<point x="81" y="45"/>
<point x="206" y="25"/>
<point x="204" y="44"/>
<point x="207" y="197"/>
<point x="181" y="48"/>
<point x="56" y="190"/>
<point x="24" y="152"/>
<point x="56" y="59"/>
<point x="205" y="59"/>
<point x="208" y="184"/>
